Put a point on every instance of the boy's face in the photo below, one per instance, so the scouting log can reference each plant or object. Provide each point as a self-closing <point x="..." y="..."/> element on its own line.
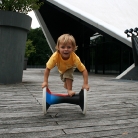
<point x="65" y="50"/>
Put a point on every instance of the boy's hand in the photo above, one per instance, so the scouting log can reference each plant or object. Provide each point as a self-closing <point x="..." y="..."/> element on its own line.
<point x="44" y="84"/>
<point x="85" y="86"/>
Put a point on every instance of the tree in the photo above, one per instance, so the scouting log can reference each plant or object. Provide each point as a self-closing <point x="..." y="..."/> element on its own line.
<point x="43" y="51"/>
<point x="21" y="6"/>
<point x="29" y="49"/>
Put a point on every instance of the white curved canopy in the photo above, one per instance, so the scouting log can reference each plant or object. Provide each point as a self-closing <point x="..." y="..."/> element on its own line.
<point x="110" y="16"/>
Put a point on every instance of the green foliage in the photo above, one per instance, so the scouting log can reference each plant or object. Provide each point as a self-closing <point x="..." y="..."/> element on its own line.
<point x="29" y="49"/>
<point x="43" y="51"/>
<point x="21" y="6"/>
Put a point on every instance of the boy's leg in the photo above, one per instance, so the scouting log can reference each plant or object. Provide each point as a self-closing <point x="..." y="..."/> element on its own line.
<point x="67" y="78"/>
<point x="68" y="83"/>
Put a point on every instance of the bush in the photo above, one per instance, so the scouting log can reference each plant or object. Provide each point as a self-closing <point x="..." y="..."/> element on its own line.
<point x="29" y="49"/>
<point x="21" y="6"/>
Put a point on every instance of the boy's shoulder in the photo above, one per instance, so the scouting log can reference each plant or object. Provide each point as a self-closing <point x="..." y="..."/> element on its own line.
<point x="55" y="54"/>
<point x="74" y="55"/>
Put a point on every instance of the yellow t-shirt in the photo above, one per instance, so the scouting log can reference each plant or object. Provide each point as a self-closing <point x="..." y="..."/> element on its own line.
<point x="63" y="65"/>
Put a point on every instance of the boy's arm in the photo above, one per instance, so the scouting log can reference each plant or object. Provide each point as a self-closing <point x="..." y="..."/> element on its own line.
<point x="46" y="75"/>
<point x="85" y="80"/>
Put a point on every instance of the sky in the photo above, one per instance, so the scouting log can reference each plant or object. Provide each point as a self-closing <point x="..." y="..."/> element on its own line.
<point x="35" y="23"/>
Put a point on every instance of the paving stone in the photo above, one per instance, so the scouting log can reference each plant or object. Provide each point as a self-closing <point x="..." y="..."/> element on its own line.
<point x="112" y="108"/>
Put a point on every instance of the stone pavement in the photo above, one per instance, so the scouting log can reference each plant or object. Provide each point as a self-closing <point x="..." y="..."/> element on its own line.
<point x="112" y="109"/>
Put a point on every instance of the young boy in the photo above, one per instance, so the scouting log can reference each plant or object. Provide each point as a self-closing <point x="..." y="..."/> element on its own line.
<point x="66" y="61"/>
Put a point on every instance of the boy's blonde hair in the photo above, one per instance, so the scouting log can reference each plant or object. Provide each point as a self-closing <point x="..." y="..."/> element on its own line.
<point x="65" y="38"/>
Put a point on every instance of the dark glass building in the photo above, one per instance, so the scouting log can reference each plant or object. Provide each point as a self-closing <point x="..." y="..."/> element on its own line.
<point x="99" y="49"/>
